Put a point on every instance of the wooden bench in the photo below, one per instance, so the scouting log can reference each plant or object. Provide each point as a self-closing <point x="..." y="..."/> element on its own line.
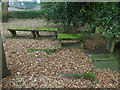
<point x="34" y="31"/>
<point x="63" y="36"/>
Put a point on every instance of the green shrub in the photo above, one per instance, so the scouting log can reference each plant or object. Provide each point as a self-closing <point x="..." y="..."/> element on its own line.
<point x="25" y="14"/>
<point x="68" y="14"/>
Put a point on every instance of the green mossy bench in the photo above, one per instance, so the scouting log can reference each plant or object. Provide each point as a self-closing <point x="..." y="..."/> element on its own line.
<point x="34" y="31"/>
<point x="63" y="36"/>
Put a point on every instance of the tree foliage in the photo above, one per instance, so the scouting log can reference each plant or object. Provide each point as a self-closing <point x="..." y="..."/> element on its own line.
<point x="104" y="15"/>
<point x="66" y="13"/>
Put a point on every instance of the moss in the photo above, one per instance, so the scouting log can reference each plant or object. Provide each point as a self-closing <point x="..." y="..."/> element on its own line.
<point x="92" y="71"/>
<point x="19" y="28"/>
<point x="77" y="75"/>
<point x="89" y="75"/>
<point x="59" y="46"/>
<point x="11" y="35"/>
<point x="71" y="36"/>
<point x="48" y="29"/>
<point x="48" y="51"/>
<point x="86" y="75"/>
<point x="82" y="45"/>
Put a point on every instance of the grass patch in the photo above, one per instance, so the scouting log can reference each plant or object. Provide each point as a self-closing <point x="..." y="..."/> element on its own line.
<point x="48" y="51"/>
<point x="71" y="36"/>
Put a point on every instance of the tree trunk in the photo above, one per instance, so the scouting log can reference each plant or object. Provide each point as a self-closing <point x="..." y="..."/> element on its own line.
<point x="4" y="11"/>
<point x="0" y="58"/>
<point x="3" y="66"/>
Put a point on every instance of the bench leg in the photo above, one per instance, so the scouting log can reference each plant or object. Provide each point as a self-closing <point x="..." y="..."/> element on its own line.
<point x="37" y="33"/>
<point x="60" y="45"/>
<point x="33" y="33"/>
<point x="13" y="33"/>
<point x="56" y="36"/>
<point x="81" y="43"/>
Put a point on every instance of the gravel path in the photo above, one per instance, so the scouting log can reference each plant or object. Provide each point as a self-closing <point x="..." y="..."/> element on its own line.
<point x="28" y="72"/>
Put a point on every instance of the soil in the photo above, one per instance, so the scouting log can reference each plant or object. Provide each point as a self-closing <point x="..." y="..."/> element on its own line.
<point x="117" y="47"/>
<point x="93" y="45"/>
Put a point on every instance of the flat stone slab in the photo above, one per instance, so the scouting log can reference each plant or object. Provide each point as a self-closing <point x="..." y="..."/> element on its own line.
<point x="71" y="36"/>
<point x="48" y="51"/>
<point x="103" y="57"/>
<point x="113" y="65"/>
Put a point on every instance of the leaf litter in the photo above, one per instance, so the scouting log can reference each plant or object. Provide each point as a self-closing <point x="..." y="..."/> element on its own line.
<point x="29" y="72"/>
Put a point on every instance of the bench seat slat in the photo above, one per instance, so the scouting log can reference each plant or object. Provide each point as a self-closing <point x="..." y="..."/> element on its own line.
<point x="49" y="29"/>
<point x="34" y="31"/>
<point x="19" y="30"/>
<point x="71" y="36"/>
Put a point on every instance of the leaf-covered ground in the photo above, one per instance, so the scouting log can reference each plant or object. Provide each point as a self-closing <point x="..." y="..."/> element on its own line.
<point x="40" y="70"/>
